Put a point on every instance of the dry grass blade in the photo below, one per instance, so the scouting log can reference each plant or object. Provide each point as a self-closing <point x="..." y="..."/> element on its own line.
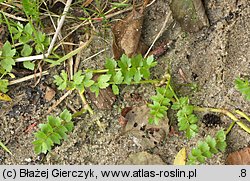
<point x="28" y="78"/>
<point x="5" y="148"/>
<point x="159" y="34"/>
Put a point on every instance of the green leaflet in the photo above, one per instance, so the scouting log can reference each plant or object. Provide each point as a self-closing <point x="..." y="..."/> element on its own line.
<point x="207" y="148"/>
<point x="3" y="85"/>
<point x="7" y="53"/>
<point x="61" y="80"/>
<point x="161" y="102"/>
<point x="186" y="118"/>
<point x="31" y="8"/>
<point x="103" y="81"/>
<point x="53" y="132"/>
<point x="243" y="86"/>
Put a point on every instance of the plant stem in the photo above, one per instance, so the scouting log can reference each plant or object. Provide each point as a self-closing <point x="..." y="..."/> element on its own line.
<point x="155" y="81"/>
<point x="227" y="113"/>
<point x="60" y="24"/>
<point x="85" y="104"/>
<point x="100" y="71"/>
<point x="175" y="96"/>
<point x="217" y="110"/>
<point x="79" y="113"/>
<point x="242" y="114"/>
<point x="230" y="127"/>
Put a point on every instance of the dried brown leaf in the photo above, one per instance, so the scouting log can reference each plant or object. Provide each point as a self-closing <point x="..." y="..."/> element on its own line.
<point x="127" y="34"/>
<point x="49" y="94"/>
<point x="241" y="157"/>
<point x="147" y="135"/>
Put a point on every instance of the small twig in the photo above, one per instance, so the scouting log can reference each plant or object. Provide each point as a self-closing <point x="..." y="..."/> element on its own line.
<point x="60" y="24"/>
<point x="30" y="58"/>
<point x="70" y="65"/>
<point x="28" y="77"/>
<point x="151" y="3"/>
<point x="230" y="127"/>
<point x="8" y="5"/>
<point x="72" y="53"/>
<point x="58" y="101"/>
<point x="78" y="59"/>
<point x="159" y="34"/>
<point x="71" y="107"/>
<point x="40" y="75"/>
<point x="92" y="56"/>
<point x="52" y="21"/>
<point x="14" y="17"/>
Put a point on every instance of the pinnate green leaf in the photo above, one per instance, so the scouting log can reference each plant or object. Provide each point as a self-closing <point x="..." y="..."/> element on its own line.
<point x="145" y="72"/>
<point x="28" y="29"/>
<point x="7" y="51"/>
<point x="221" y="136"/>
<point x="54" y="121"/>
<point x="7" y="63"/>
<point x="115" y="89"/>
<point x="103" y="81"/>
<point x="88" y="83"/>
<point x="44" y="148"/>
<point x="124" y="63"/>
<point x="243" y="86"/>
<point x="78" y="77"/>
<point x="212" y="144"/>
<point x="40" y="37"/>
<point x="56" y="138"/>
<point x="221" y="146"/>
<point x="30" y="7"/>
<point x="27" y="50"/>
<point x="29" y="65"/>
<point x="66" y="116"/>
<point x="207" y="148"/>
<point x="118" y="78"/>
<point x="69" y="126"/>
<point x="4" y="85"/>
<point x="137" y="76"/>
<point x="137" y="61"/>
<point x="95" y="89"/>
<point x="53" y="132"/>
<point x="61" y="81"/>
<point x="46" y="128"/>
<point x="111" y="64"/>
<point x="40" y="135"/>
